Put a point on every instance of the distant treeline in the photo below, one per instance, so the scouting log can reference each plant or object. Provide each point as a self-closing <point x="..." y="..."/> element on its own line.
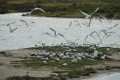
<point x="9" y="6"/>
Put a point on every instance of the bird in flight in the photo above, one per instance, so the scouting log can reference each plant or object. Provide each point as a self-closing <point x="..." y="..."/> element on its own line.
<point x="113" y="27"/>
<point x="91" y="35"/>
<point x="87" y="15"/>
<point x="12" y="30"/>
<point x="25" y="22"/>
<point x="110" y="19"/>
<point x="77" y="23"/>
<point x="55" y="33"/>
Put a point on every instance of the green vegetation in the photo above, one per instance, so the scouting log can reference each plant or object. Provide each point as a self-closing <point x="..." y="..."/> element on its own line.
<point x="37" y="63"/>
<point x="62" y="8"/>
<point x="29" y="78"/>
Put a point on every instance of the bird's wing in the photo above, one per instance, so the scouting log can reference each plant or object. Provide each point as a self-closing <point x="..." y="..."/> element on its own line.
<point x="113" y="26"/>
<point x="10" y="23"/>
<point x="25" y="22"/>
<point x="47" y="34"/>
<point x="42" y="10"/>
<point x="97" y="18"/>
<point x="86" y="37"/>
<point x="92" y="33"/>
<point x="95" y="11"/>
<point x="13" y="30"/>
<point x="104" y="17"/>
<point x="83" y="13"/>
<point x="99" y="37"/>
<point x="100" y="20"/>
<point x="53" y="31"/>
<point x="70" y="24"/>
<point x="77" y="23"/>
<point x="114" y="16"/>
<point x="105" y="32"/>
<point x="60" y="34"/>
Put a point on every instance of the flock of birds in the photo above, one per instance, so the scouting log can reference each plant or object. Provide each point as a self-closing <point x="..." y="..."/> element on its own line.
<point x="68" y="54"/>
<point x="107" y="33"/>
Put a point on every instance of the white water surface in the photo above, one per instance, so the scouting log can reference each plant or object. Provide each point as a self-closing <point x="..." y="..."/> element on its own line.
<point x="111" y="76"/>
<point x="25" y="37"/>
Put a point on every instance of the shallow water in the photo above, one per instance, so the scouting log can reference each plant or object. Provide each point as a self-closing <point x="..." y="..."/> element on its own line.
<point x="25" y="37"/>
<point x="111" y="76"/>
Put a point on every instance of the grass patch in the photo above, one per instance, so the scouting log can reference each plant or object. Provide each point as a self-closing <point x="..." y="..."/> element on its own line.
<point x="16" y="2"/>
<point x="37" y="63"/>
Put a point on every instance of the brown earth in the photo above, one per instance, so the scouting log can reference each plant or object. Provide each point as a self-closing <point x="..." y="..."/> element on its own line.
<point x="7" y="70"/>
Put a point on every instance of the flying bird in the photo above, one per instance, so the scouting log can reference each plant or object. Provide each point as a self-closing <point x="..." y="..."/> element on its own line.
<point x="97" y="18"/>
<point x="70" y="23"/>
<point x="55" y="33"/>
<point x="11" y="30"/>
<point x="25" y="22"/>
<point x="78" y="24"/>
<point x="113" y="27"/>
<point x="110" y="19"/>
<point x="91" y="35"/>
<point x="87" y="15"/>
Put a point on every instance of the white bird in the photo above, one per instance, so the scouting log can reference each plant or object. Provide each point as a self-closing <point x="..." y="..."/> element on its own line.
<point x="79" y="58"/>
<point x="11" y="30"/>
<point x="103" y="57"/>
<point x="64" y="64"/>
<point x="74" y="60"/>
<point x="106" y="34"/>
<point x="55" y="33"/>
<point x="39" y="57"/>
<point x="45" y="58"/>
<point x="45" y="62"/>
<point x="57" y="59"/>
<point x="54" y="74"/>
<point x="109" y="57"/>
<point x="87" y="15"/>
<point x="91" y="34"/>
